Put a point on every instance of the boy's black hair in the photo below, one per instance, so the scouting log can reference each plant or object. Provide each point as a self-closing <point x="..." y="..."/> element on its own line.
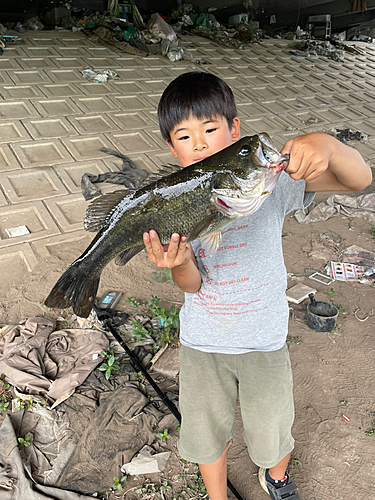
<point x="201" y="95"/>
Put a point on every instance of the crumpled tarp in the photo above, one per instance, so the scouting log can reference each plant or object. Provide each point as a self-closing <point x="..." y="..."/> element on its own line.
<point x="112" y="426"/>
<point x="52" y="443"/>
<point x="130" y="176"/>
<point x="40" y="361"/>
<point x="361" y="206"/>
<point x="14" y="485"/>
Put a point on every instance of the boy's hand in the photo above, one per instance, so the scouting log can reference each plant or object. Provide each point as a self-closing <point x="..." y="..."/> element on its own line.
<point x="310" y="155"/>
<point x="176" y="253"/>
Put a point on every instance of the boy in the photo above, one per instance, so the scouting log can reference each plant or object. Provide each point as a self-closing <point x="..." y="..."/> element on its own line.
<point x="235" y="317"/>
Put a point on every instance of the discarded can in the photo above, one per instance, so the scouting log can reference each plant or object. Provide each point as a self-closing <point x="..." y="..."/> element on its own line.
<point x="321" y="316"/>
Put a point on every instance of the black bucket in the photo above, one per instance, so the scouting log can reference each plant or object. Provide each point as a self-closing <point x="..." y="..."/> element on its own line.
<point x="321" y="316"/>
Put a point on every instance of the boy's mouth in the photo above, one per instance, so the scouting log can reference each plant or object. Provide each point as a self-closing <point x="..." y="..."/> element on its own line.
<point x="200" y="159"/>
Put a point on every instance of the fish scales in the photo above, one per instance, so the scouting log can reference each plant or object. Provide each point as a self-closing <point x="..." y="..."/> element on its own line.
<point x="197" y="201"/>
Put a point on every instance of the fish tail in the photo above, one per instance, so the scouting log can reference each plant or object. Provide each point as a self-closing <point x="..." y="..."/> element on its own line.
<point x="75" y="288"/>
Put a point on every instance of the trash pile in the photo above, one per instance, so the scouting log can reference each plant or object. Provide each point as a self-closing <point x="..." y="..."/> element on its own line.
<point x="321" y="48"/>
<point x="347" y="134"/>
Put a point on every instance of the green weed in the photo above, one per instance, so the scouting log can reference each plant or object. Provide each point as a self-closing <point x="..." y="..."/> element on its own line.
<point x="117" y="483"/>
<point x="3" y="383"/>
<point x="3" y="404"/>
<point x="163" y="436"/>
<point x="138" y="331"/>
<point x="24" y="442"/>
<point x="331" y="294"/>
<point x="110" y="365"/>
<point x="168" y="320"/>
<point x="294" y="340"/>
<point x="294" y="462"/>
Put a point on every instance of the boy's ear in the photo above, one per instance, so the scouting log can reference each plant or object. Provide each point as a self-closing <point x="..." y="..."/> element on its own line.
<point x="235" y="129"/>
<point x="173" y="151"/>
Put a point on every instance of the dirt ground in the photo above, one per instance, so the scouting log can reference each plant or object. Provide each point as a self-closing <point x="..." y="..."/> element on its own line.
<point x="334" y="373"/>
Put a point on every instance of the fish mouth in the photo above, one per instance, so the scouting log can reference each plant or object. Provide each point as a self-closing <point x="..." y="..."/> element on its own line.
<point x="281" y="164"/>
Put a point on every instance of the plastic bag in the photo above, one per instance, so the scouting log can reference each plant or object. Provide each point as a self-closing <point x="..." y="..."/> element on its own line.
<point x="158" y="27"/>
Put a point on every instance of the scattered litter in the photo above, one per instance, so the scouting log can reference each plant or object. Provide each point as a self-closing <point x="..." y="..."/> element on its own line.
<point x="358" y="255"/>
<point x="290" y="128"/>
<point x="146" y="463"/>
<point x="345" y="418"/>
<point x="344" y="271"/>
<point x="362" y="319"/>
<point x="321" y="278"/>
<point x="13" y="232"/>
<point x="311" y="121"/>
<point x="98" y="76"/>
<point x="299" y="293"/>
<point x="360" y="206"/>
<point x="347" y="134"/>
<point x="368" y="277"/>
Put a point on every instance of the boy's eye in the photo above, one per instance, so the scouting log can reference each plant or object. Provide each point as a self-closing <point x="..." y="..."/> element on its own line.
<point x="183" y="138"/>
<point x="210" y="130"/>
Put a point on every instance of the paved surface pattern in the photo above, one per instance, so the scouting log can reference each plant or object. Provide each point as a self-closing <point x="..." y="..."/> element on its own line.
<point x="53" y="121"/>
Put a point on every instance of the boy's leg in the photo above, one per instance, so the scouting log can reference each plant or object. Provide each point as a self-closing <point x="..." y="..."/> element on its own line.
<point x="278" y="472"/>
<point x="215" y="477"/>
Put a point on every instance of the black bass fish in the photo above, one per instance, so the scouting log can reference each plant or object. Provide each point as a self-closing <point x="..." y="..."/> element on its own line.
<point x="197" y="201"/>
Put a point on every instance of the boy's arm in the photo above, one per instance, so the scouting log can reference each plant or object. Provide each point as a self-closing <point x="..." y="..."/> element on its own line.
<point x="326" y="164"/>
<point x="178" y="256"/>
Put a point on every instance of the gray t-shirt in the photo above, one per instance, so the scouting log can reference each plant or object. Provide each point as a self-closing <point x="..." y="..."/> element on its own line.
<point x="241" y="305"/>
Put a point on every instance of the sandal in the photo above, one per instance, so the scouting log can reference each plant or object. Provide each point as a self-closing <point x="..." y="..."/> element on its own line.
<point x="286" y="492"/>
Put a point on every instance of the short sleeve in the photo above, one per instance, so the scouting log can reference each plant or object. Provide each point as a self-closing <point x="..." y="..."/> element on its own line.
<point x="291" y="195"/>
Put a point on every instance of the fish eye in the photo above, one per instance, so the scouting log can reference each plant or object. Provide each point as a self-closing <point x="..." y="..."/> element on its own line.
<point x="245" y="151"/>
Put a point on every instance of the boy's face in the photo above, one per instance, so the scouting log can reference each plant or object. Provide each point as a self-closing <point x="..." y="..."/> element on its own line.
<point x="193" y="139"/>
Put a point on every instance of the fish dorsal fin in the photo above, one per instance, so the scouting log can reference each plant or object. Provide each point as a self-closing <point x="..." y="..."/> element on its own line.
<point x="211" y="243"/>
<point x="124" y="257"/>
<point x="100" y="208"/>
<point x="163" y="171"/>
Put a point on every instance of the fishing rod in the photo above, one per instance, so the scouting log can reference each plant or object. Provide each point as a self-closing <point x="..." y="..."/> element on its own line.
<point x="105" y="317"/>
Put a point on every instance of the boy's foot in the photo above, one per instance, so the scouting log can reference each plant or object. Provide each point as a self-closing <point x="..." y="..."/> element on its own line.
<point x="285" y="490"/>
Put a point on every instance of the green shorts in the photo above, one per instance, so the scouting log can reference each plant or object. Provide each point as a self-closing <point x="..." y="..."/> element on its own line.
<point x="210" y="386"/>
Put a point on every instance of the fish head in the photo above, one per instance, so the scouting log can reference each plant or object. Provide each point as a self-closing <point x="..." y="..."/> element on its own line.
<point x="257" y="152"/>
<point x="252" y="166"/>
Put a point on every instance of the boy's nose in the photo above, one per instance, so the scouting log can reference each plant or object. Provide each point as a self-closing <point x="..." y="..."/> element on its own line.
<point x="200" y="144"/>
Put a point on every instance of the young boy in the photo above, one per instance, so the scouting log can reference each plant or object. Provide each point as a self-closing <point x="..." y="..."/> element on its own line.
<point x="234" y="321"/>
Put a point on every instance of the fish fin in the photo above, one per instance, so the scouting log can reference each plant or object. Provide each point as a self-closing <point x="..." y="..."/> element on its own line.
<point x="124" y="257"/>
<point x="211" y="243"/>
<point x="74" y="288"/>
<point x="209" y="231"/>
<point x="100" y="208"/>
<point x="163" y="171"/>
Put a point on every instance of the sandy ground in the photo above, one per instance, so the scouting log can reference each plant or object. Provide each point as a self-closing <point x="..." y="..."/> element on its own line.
<point x="333" y="372"/>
